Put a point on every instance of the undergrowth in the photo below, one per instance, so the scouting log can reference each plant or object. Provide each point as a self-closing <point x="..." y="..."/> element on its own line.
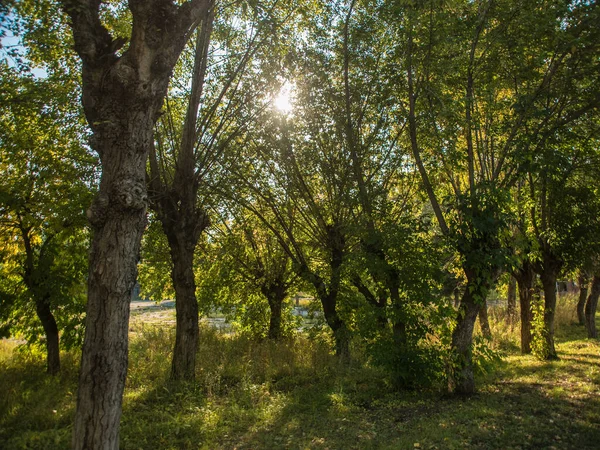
<point x="251" y="394"/>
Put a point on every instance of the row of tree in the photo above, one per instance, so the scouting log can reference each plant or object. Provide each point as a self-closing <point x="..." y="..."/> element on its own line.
<point x="432" y="146"/>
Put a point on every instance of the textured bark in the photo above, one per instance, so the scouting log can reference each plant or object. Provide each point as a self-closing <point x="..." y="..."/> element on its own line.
<point x="583" y="281"/>
<point x="45" y="315"/>
<point x="340" y="332"/>
<point x="183" y="366"/>
<point x="511" y="306"/>
<point x="122" y="98"/>
<point x="525" y="278"/>
<point x="118" y="218"/>
<point x="591" y="307"/>
<point x="484" y="321"/>
<point x="461" y="378"/>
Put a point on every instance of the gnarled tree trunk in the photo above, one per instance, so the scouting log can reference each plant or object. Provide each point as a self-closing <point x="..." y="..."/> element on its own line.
<point x="122" y="97"/>
<point x="182" y="245"/>
<point x="461" y="378"/>
<point x="118" y="218"/>
<point x="275" y="296"/>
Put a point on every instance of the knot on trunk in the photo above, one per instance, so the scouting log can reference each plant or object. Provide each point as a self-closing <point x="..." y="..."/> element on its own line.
<point x="130" y="194"/>
<point x="97" y="212"/>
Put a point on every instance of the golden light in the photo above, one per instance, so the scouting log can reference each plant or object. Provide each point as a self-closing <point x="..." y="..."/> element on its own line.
<point x="283" y="100"/>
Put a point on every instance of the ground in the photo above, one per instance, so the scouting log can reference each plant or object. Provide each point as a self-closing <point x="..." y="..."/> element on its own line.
<point x="264" y="395"/>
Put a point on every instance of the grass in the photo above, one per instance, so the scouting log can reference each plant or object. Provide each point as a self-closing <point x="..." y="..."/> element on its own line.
<point x="294" y="394"/>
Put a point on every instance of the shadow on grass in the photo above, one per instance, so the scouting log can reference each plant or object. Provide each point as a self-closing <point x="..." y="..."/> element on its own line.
<point x="353" y="410"/>
<point x="36" y="409"/>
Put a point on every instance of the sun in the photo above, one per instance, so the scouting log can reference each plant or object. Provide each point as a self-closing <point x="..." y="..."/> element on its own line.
<point x="283" y="100"/>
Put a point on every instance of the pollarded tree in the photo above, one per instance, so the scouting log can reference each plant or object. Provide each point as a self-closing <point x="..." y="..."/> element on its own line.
<point x="255" y="274"/>
<point x="563" y="221"/>
<point x="345" y="81"/>
<point x="228" y="70"/>
<point x="47" y="175"/>
<point x="124" y="82"/>
<point x="296" y="169"/>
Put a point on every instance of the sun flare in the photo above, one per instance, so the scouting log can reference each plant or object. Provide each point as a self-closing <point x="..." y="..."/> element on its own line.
<point x="283" y="100"/>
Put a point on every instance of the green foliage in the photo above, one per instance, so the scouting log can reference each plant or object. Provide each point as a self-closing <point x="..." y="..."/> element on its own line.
<point x="45" y="188"/>
<point x="154" y="269"/>
<point x="480" y="233"/>
<point x="539" y="343"/>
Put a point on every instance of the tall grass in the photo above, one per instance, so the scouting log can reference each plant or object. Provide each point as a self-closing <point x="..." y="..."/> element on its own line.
<point x="295" y="394"/>
<point x="506" y="334"/>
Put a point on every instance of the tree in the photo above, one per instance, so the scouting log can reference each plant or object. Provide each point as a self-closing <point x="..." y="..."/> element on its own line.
<point x="123" y="92"/>
<point x="194" y="141"/>
<point x="296" y="183"/>
<point x="47" y="174"/>
<point x="250" y="274"/>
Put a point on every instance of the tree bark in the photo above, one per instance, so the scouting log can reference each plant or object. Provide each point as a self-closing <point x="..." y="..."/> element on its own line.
<point x="122" y="99"/>
<point x="591" y="307"/>
<point x="484" y="321"/>
<point x="45" y="315"/>
<point x="511" y="310"/>
<point x="118" y="217"/>
<point x="583" y="281"/>
<point x="182" y="245"/>
<point x="525" y="277"/>
<point x="340" y="332"/>
<point x="461" y="378"/>
<point x="276" y="294"/>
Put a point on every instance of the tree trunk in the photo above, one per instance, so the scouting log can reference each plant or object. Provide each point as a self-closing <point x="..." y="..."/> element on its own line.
<point x="119" y="218"/>
<point x="511" y="310"/>
<point x="275" y="320"/>
<point x="337" y="325"/>
<point x="484" y="321"/>
<point x="461" y="378"/>
<point x="183" y="366"/>
<point x="45" y="315"/>
<point x="583" y="281"/>
<point x="123" y="92"/>
<point x="525" y="277"/>
<point x="590" y="308"/>
<point x="276" y="297"/>
<point x="549" y="285"/>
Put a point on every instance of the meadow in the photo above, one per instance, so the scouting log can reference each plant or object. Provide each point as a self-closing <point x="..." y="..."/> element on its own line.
<point x="294" y="394"/>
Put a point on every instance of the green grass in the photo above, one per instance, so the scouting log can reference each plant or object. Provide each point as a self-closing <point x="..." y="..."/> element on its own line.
<point x="264" y="395"/>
